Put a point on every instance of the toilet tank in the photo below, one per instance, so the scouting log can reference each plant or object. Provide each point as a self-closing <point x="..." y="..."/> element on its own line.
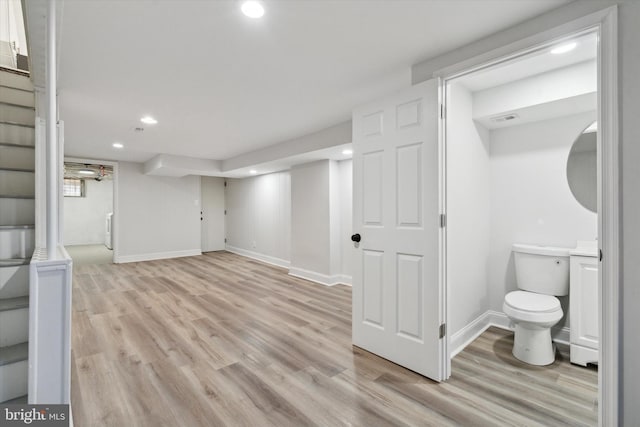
<point x="542" y="269"/>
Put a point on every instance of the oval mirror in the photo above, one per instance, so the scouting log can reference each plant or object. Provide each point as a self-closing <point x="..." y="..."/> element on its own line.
<point x="582" y="168"/>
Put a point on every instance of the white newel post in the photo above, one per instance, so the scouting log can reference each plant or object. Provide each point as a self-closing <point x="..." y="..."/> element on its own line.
<point x="51" y="268"/>
<point x="52" y="134"/>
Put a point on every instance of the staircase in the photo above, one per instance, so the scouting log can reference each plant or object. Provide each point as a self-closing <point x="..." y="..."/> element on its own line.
<point x="17" y="231"/>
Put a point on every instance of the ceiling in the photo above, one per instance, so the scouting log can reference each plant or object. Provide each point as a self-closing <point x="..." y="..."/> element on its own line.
<point x="221" y="84"/>
<point x="534" y="63"/>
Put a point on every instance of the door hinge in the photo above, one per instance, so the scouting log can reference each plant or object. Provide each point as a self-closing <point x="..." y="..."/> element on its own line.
<point x="225" y="211"/>
<point x="225" y="183"/>
<point x="443" y="330"/>
<point x="225" y="240"/>
<point x="600" y="254"/>
<point x="443" y="220"/>
<point x="442" y="111"/>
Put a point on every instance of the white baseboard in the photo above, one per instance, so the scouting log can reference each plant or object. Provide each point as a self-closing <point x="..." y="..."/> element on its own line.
<point x="258" y="256"/>
<point x="470" y="332"/>
<point x="473" y="330"/>
<point x="323" y="279"/>
<point x="121" y="259"/>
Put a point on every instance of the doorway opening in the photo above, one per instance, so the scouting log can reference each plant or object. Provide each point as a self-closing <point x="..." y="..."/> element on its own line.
<point x="88" y="220"/>
<point x="522" y="185"/>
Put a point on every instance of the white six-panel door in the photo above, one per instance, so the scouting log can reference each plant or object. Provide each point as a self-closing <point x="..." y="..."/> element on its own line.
<point x="212" y="208"/>
<point x="396" y="288"/>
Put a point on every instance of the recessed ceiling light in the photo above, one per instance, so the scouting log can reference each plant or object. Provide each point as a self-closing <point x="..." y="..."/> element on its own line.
<point x="86" y="172"/>
<point x="564" y="48"/>
<point x="252" y="9"/>
<point x="253" y="171"/>
<point x="148" y="120"/>
<point x="347" y="152"/>
<point x="117" y="145"/>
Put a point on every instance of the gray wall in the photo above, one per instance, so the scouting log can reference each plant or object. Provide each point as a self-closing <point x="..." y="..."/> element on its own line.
<point x="629" y="99"/>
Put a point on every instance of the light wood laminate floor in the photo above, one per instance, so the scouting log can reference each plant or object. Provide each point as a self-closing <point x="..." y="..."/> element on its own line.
<point x="219" y="340"/>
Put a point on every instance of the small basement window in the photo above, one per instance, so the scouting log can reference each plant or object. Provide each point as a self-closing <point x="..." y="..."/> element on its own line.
<point x="73" y="187"/>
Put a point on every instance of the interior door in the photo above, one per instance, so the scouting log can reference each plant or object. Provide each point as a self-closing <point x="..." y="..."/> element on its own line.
<point x="397" y="295"/>
<point x="212" y="207"/>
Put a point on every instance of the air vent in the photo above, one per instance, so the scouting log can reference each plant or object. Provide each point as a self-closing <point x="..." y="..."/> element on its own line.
<point x="138" y="129"/>
<point x="504" y="118"/>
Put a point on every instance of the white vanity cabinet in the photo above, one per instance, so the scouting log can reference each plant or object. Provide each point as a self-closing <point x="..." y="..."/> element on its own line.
<point x="583" y="305"/>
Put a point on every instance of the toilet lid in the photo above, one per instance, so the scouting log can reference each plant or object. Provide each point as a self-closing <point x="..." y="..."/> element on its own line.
<point x="528" y="301"/>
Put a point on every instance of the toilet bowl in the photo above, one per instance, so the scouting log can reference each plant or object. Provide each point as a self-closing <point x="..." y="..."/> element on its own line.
<point x="541" y="273"/>
<point x="533" y="315"/>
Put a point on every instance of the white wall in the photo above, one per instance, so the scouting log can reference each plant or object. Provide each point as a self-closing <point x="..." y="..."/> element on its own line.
<point x="310" y="217"/>
<point x="566" y="82"/>
<point x="530" y="197"/>
<point x="84" y="217"/>
<point x="468" y="211"/>
<point x="258" y="220"/>
<point x="345" y="170"/>
<point x="159" y="217"/>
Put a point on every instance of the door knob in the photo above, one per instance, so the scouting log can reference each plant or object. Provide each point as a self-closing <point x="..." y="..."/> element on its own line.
<point x="356" y="238"/>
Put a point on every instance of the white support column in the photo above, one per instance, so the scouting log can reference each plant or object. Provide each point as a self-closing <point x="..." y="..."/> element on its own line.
<point x="52" y="134"/>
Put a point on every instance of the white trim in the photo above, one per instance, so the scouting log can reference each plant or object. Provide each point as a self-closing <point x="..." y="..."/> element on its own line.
<point x="344" y="279"/>
<point x="258" y="256"/>
<point x="608" y="218"/>
<point x="323" y="279"/>
<point x="156" y="255"/>
<point x="473" y="330"/>
<point x="469" y="333"/>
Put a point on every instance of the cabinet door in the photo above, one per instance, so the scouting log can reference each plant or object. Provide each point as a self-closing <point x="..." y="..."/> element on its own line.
<point x="583" y="301"/>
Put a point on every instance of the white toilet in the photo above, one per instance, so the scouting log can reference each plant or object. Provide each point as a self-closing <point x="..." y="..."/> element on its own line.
<point x="541" y="273"/>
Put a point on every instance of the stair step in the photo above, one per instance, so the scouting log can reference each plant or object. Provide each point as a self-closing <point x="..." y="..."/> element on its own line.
<point x="17" y="96"/>
<point x="17" y="183"/>
<point x="17" y="243"/>
<point x="25" y="146"/>
<point x="3" y="86"/>
<point x="15" y="80"/>
<point x="16" y="196"/>
<point x="18" y="170"/>
<point x="22" y="400"/>
<point x="14" y="379"/>
<point x="17" y="211"/>
<point x="12" y="123"/>
<point x="14" y="279"/>
<point x="13" y="262"/>
<point x="14" y="353"/>
<point x="14" y="303"/>
<point x="15" y="113"/>
<point x="14" y="321"/>
<point x="14" y="105"/>
<point x="17" y="135"/>
<point x="17" y="158"/>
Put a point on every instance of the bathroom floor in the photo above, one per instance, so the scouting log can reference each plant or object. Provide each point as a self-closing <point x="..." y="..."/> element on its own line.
<point x="561" y="393"/>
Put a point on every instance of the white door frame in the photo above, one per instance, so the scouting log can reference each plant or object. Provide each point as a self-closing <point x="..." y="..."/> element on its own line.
<point x="115" y="230"/>
<point x="605" y="23"/>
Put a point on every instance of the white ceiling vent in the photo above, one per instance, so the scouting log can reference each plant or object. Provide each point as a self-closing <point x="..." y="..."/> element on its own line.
<point x="504" y="118"/>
